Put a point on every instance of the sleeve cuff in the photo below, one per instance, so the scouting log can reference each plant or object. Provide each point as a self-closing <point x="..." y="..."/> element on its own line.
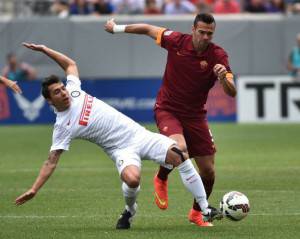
<point x="159" y="36"/>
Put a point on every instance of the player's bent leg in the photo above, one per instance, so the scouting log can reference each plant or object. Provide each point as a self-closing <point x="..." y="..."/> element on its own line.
<point x="160" y="180"/>
<point x="192" y="182"/>
<point x="130" y="187"/>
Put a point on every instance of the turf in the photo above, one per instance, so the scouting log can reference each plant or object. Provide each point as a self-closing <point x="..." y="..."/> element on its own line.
<point x="83" y="198"/>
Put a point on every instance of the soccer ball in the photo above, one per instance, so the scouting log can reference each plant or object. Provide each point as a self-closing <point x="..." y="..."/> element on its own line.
<point x="234" y="206"/>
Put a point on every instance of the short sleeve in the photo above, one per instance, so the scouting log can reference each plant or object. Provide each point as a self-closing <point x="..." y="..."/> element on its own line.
<point x="169" y="39"/>
<point x="73" y="82"/>
<point x="61" y="138"/>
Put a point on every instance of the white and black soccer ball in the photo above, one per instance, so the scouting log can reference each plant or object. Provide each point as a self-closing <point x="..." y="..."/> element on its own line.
<point x="234" y="206"/>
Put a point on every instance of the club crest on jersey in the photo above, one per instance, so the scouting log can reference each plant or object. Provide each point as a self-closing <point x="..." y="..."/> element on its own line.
<point x="203" y="64"/>
<point x="75" y="93"/>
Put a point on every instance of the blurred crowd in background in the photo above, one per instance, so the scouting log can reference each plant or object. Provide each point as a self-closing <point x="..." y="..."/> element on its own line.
<point x="65" y="8"/>
<point x="17" y="70"/>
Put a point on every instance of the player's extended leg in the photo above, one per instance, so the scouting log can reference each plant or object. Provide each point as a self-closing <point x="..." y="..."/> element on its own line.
<point x="192" y="182"/>
<point x="160" y="180"/>
<point x="207" y="173"/>
<point x="130" y="187"/>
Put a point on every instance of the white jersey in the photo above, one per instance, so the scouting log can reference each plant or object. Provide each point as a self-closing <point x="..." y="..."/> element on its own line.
<point x="91" y="119"/>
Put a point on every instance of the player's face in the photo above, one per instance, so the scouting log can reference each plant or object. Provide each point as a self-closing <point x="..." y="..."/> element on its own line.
<point x="59" y="96"/>
<point x="202" y="35"/>
<point x="12" y="61"/>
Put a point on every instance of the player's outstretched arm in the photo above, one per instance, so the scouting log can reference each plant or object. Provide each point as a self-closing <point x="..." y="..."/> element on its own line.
<point x="139" y="28"/>
<point x="67" y="64"/>
<point x="11" y="84"/>
<point x="226" y="79"/>
<point x="45" y="172"/>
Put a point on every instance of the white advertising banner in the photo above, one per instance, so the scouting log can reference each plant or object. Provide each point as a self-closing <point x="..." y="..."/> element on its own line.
<point x="268" y="99"/>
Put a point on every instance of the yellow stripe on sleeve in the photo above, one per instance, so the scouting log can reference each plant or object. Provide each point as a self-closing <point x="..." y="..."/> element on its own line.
<point x="159" y="35"/>
<point x="229" y="75"/>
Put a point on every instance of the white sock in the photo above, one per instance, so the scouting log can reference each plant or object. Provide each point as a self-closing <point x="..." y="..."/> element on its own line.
<point x="130" y="195"/>
<point x="192" y="181"/>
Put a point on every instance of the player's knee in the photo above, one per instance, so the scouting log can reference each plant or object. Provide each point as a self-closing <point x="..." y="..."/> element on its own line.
<point x="175" y="156"/>
<point x="133" y="181"/>
<point x="182" y="147"/>
<point x="131" y="176"/>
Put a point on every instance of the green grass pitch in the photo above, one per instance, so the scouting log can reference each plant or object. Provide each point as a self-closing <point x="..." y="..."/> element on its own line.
<point x="83" y="198"/>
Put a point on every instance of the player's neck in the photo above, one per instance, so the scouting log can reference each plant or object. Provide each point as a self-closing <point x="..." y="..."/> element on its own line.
<point x="61" y="108"/>
<point x="200" y="49"/>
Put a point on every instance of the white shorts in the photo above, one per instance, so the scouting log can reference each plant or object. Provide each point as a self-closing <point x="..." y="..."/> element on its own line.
<point x="146" y="145"/>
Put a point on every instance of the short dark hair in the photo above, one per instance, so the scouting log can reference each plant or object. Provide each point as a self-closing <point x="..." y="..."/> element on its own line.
<point x="204" y="17"/>
<point x="47" y="82"/>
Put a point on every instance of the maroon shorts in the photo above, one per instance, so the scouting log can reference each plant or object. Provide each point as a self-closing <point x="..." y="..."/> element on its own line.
<point x="196" y="132"/>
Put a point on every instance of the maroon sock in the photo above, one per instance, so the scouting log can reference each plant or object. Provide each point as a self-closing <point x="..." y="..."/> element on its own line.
<point x="196" y="206"/>
<point x="163" y="173"/>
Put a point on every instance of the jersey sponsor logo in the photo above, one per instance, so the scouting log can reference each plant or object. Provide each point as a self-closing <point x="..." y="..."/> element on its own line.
<point x="31" y="110"/>
<point x="168" y="33"/>
<point x="75" y="93"/>
<point x="203" y="64"/>
<point x="86" y="110"/>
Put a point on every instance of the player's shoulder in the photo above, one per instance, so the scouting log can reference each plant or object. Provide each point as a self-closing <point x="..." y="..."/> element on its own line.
<point x="217" y="50"/>
<point x="73" y="78"/>
<point x="181" y="39"/>
<point x="173" y="34"/>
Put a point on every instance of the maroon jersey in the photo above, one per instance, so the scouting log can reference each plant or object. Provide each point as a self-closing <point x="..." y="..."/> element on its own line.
<point x="188" y="75"/>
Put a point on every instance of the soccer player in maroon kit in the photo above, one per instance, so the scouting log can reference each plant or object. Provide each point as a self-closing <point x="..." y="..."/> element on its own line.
<point x="193" y="66"/>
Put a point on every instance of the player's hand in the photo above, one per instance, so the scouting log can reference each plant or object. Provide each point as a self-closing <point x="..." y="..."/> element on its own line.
<point x="34" y="47"/>
<point x="220" y="71"/>
<point x="109" y="26"/>
<point x="11" y="84"/>
<point x="14" y="86"/>
<point x="25" y="197"/>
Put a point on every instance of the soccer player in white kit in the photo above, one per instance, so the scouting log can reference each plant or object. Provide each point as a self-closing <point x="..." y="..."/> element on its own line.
<point x="80" y="115"/>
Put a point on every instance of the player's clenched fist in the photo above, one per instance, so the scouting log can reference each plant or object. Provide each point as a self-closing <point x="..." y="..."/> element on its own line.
<point x="220" y="71"/>
<point x="109" y="26"/>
